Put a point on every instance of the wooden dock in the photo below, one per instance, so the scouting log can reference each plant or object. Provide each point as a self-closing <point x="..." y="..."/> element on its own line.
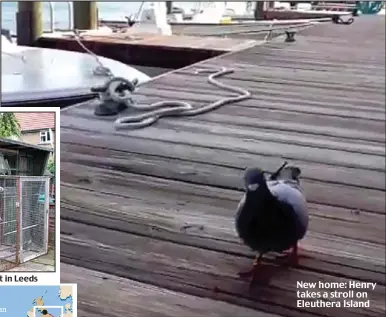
<point x="147" y="215"/>
<point x="190" y="43"/>
<point x="144" y="48"/>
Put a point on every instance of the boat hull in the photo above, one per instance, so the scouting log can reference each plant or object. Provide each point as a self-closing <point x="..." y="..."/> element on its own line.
<point x="43" y="75"/>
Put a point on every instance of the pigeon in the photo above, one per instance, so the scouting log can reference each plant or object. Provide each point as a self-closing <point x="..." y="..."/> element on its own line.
<point x="272" y="216"/>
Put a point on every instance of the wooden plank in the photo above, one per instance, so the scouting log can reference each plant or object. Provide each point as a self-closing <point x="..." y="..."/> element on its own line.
<point x="270" y="117"/>
<point x="338" y="194"/>
<point x="156" y="205"/>
<point x="326" y="156"/>
<point x="162" y="263"/>
<point x="272" y="108"/>
<point x="118" y="296"/>
<point x="296" y="79"/>
<point x="287" y="104"/>
<point x="357" y="58"/>
<point x="222" y="157"/>
<point x="219" y="224"/>
<point x="266" y="98"/>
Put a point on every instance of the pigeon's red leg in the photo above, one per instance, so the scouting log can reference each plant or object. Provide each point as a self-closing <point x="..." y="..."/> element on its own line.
<point x="254" y="268"/>
<point x="290" y="256"/>
<point x="254" y="271"/>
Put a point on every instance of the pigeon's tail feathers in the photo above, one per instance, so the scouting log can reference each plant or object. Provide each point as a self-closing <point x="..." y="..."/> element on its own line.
<point x="290" y="173"/>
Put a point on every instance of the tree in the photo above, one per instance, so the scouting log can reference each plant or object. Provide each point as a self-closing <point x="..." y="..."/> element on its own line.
<point x="51" y="165"/>
<point x="9" y="126"/>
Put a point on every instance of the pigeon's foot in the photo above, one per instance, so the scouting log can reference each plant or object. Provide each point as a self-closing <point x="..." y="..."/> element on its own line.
<point x="254" y="273"/>
<point x="289" y="257"/>
<point x="254" y="268"/>
<point x="249" y="273"/>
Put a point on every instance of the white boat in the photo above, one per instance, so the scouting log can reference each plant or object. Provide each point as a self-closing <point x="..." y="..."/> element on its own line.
<point x="217" y="19"/>
<point x="53" y="77"/>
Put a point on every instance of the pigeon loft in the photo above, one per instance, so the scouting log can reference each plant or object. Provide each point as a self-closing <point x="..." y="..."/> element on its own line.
<point x="24" y="203"/>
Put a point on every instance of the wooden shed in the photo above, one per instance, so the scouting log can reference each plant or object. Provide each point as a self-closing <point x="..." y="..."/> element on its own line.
<point x="22" y="159"/>
<point x="24" y="202"/>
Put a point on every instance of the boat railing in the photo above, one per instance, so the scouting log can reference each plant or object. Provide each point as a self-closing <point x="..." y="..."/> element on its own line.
<point x="52" y="16"/>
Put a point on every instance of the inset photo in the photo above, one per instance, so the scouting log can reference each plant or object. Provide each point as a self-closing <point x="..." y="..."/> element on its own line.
<point x="28" y="205"/>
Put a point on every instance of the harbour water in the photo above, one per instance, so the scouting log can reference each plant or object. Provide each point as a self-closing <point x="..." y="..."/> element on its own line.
<point x="107" y="11"/>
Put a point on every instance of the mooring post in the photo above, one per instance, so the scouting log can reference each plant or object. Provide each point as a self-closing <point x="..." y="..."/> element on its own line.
<point x="271" y="5"/>
<point x="29" y="22"/>
<point x="169" y="7"/>
<point x="259" y="10"/>
<point x="85" y="15"/>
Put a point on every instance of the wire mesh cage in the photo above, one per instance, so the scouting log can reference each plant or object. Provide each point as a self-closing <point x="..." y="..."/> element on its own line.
<point x="8" y="222"/>
<point x="24" y="205"/>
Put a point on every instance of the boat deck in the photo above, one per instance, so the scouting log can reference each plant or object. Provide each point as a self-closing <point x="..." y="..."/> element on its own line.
<point x="147" y="215"/>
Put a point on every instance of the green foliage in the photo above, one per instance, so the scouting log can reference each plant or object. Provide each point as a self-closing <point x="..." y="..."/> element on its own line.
<point x="51" y="166"/>
<point x="9" y="126"/>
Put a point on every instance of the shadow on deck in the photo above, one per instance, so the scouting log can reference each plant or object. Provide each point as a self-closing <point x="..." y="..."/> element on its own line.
<point x="147" y="215"/>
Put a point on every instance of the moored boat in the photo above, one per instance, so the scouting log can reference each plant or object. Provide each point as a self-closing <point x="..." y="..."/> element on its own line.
<point x="40" y="76"/>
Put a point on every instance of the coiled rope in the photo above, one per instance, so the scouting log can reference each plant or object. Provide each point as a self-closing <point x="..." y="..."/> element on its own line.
<point x="174" y="107"/>
<point x="164" y="108"/>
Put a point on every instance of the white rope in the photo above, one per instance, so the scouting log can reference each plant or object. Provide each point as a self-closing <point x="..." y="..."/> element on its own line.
<point x="165" y="108"/>
<point x="100" y="70"/>
<point x="175" y="107"/>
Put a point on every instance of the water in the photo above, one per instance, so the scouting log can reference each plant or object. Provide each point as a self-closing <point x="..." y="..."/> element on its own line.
<point x="107" y="11"/>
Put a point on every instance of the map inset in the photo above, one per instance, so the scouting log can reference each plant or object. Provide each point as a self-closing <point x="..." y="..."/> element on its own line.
<point x="38" y="301"/>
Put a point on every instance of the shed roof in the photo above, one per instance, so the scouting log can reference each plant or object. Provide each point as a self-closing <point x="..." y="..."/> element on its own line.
<point x="18" y="145"/>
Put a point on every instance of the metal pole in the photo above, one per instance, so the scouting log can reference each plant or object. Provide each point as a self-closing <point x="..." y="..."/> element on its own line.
<point x="259" y="10"/>
<point x="169" y="7"/>
<point x="85" y="15"/>
<point x="52" y="16"/>
<point x="29" y="22"/>
<point x="69" y="5"/>
<point x="18" y="222"/>
<point x="271" y="4"/>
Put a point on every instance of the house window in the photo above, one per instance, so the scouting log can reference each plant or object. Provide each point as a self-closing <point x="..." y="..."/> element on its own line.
<point x="45" y="137"/>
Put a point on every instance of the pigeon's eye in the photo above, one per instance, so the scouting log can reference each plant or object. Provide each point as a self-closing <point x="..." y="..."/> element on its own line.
<point x="253" y="187"/>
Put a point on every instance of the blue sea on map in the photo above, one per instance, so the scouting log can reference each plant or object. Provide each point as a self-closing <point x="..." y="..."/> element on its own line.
<point x="18" y="300"/>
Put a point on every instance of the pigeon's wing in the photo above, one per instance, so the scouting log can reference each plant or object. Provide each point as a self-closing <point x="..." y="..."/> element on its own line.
<point x="241" y="205"/>
<point x="243" y="217"/>
<point x="275" y="228"/>
<point x="290" y="194"/>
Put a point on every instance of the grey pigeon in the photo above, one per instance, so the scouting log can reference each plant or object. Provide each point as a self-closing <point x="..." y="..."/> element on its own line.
<point x="273" y="214"/>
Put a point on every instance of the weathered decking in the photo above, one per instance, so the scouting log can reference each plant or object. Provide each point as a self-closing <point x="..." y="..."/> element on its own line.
<point x="141" y="48"/>
<point x="147" y="215"/>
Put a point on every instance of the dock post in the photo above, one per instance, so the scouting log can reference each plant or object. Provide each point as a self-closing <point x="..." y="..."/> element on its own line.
<point x="259" y="10"/>
<point x="271" y="5"/>
<point x="85" y="15"/>
<point x="169" y="7"/>
<point x="29" y="22"/>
